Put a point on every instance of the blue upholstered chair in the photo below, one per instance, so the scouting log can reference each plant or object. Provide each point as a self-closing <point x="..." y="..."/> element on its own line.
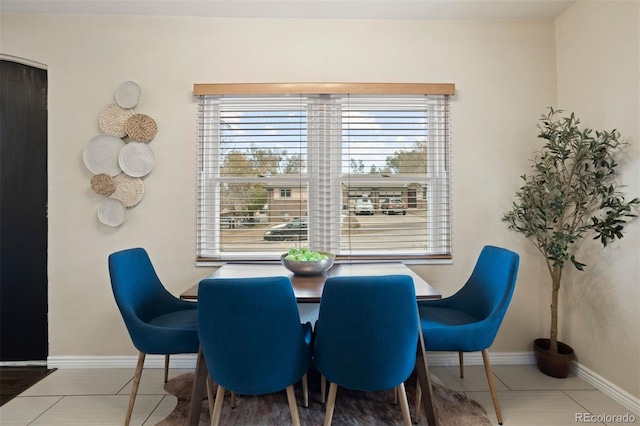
<point x="366" y="335"/>
<point x="252" y="339"/>
<point x="468" y="321"/>
<point x="157" y="321"/>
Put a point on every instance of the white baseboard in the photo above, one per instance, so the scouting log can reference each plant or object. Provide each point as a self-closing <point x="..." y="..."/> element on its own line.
<point x="439" y="359"/>
<point x="434" y="359"/>
<point x="621" y="396"/>
<point x="186" y="361"/>
<point x="447" y="359"/>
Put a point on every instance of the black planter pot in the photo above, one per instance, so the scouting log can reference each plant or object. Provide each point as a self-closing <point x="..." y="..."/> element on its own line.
<point x="554" y="365"/>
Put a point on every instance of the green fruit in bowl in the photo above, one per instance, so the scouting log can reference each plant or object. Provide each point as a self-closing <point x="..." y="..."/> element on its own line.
<point x="311" y="263"/>
<point x="305" y="255"/>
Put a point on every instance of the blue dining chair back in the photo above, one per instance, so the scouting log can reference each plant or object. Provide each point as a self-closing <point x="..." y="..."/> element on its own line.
<point x="366" y="335"/>
<point x="251" y="336"/>
<point x="469" y="320"/>
<point x="158" y="322"/>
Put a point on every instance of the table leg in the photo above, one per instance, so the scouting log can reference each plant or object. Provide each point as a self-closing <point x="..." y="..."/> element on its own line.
<point x="422" y="370"/>
<point x="197" y="394"/>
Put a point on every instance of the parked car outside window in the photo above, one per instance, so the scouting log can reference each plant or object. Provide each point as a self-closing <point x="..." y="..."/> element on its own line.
<point x="294" y="231"/>
<point x="363" y="206"/>
<point x="393" y="206"/>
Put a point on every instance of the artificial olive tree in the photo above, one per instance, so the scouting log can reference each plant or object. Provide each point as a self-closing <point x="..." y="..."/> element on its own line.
<point x="572" y="193"/>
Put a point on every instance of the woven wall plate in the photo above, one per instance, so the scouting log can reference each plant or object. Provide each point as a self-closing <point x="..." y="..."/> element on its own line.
<point x="113" y="118"/>
<point x="136" y="159"/>
<point x="101" y="154"/>
<point x="141" y="128"/>
<point x="103" y="184"/>
<point x="129" y="190"/>
<point x="111" y="212"/>
<point x="128" y="94"/>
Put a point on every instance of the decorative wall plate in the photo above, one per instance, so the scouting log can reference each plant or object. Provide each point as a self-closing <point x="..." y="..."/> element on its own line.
<point x="101" y="154"/>
<point x="141" y="128"/>
<point x="113" y="118"/>
<point x="103" y="184"/>
<point x="112" y="212"/>
<point x="128" y="189"/>
<point x="128" y="94"/>
<point x="136" y="159"/>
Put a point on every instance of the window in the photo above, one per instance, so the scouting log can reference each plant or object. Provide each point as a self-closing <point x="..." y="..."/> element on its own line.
<point x="320" y="170"/>
<point x="285" y="192"/>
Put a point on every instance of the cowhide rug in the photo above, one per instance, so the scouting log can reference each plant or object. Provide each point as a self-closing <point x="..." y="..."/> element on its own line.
<point x="352" y="408"/>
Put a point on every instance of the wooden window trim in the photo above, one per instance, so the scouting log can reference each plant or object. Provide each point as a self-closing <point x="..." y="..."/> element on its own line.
<point x="324" y="88"/>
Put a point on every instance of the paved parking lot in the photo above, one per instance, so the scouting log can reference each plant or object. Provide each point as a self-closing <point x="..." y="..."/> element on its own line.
<point x="390" y="230"/>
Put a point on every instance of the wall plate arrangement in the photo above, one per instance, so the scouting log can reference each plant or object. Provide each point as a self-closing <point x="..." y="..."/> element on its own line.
<point x="119" y="157"/>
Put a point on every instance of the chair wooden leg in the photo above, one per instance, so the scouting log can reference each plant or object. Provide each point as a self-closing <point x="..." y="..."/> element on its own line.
<point x="323" y="389"/>
<point x="210" y="395"/>
<point x="418" y="401"/>
<point x="217" y="408"/>
<point x="197" y="392"/>
<point x="395" y="396"/>
<point x="293" y="406"/>
<point x="404" y="404"/>
<point x="233" y="400"/>
<point x="331" y="404"/>
<point x="492" y="386"/>
<point x="166" y="368"/>
<point x="461" y="358"/>
<point x="305" y="391"/>
<point x="422" y="371"/>
<point x="134" y="387"/>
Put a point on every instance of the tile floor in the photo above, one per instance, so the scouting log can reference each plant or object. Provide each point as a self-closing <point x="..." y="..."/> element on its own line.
<point x="100" y="397"/>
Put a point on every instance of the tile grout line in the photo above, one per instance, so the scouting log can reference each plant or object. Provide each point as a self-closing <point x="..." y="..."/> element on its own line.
<point x="154" y="409"/>
<point x="501" y="381"/>
<point x="61" y="397"/>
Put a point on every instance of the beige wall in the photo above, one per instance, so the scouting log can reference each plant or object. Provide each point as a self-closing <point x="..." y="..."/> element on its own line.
<point x="598" y="47"/>
<point x="505" y="75"/>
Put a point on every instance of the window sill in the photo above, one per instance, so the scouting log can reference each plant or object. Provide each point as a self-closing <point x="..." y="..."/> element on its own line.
<point x="428" y="260"/>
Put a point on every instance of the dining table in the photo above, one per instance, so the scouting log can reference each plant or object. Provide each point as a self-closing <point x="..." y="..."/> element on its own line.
<point x="308" y="289"/>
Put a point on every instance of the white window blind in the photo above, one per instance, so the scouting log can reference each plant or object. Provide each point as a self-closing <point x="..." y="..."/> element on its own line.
<point x="323" y="171"/>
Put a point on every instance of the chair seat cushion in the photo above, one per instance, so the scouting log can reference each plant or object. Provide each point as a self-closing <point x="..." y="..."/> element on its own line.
<point x="182" y="320"/>
<point x="171" y="333"/>
<point x="453" y="330"/>
<point x="444" y="317"/>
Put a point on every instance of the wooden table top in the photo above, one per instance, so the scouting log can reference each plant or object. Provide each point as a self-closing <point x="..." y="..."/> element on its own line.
<point x="308" y="289"/>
